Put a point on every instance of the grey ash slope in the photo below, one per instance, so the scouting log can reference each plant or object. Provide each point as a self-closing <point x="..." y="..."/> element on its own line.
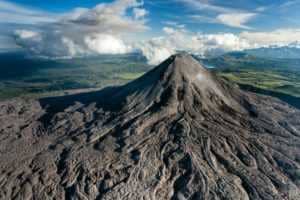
<point x="178" y="132"/>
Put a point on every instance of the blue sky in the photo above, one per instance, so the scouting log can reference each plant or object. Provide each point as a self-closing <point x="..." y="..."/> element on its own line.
<point x="273" y="14"/>
<point x="149" y="25"/>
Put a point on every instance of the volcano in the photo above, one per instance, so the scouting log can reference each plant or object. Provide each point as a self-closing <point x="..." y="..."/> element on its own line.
<point x="179" y="132"/>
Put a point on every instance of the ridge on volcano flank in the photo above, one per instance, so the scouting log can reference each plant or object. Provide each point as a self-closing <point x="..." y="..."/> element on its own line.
<point x="178" y="132"/>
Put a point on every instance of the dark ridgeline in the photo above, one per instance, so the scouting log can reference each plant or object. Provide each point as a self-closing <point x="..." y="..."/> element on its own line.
<point x="178" y="132"/>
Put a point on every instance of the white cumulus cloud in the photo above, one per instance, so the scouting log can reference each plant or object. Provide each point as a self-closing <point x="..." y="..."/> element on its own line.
<point x="279" y="37"/>
<point x="106" y="44"/>
<point x="26" y="34"/>
<point x="237" y="20"/>
<point x="139" y="13"/>
<point x="174" y="40"/>
<point x="156" y="50"/>
<point x="100" y="30"/>
<point x="48" y="44"/>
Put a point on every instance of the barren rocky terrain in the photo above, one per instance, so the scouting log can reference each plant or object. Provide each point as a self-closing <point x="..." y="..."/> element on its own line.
<point x="178" y="132"/>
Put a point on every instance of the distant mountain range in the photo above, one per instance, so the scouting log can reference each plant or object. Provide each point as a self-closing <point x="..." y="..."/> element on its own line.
<point x="285" y="52"/>
<point x="252" y="59"/>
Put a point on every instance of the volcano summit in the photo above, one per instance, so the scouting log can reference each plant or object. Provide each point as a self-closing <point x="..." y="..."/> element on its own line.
<point x="178" y="132"/>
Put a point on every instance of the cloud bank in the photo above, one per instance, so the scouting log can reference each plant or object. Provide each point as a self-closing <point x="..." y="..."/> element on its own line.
<point x="112" y="28"/>
<point x="158" y="49"/>
<point x="100" y="30"/>
<point x="155" y="49"/>
<point x="279" y="37"/>
<point x="174" y="40"/>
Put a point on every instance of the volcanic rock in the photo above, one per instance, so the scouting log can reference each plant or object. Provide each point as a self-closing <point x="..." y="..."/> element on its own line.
<point x="178" y="132"/>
